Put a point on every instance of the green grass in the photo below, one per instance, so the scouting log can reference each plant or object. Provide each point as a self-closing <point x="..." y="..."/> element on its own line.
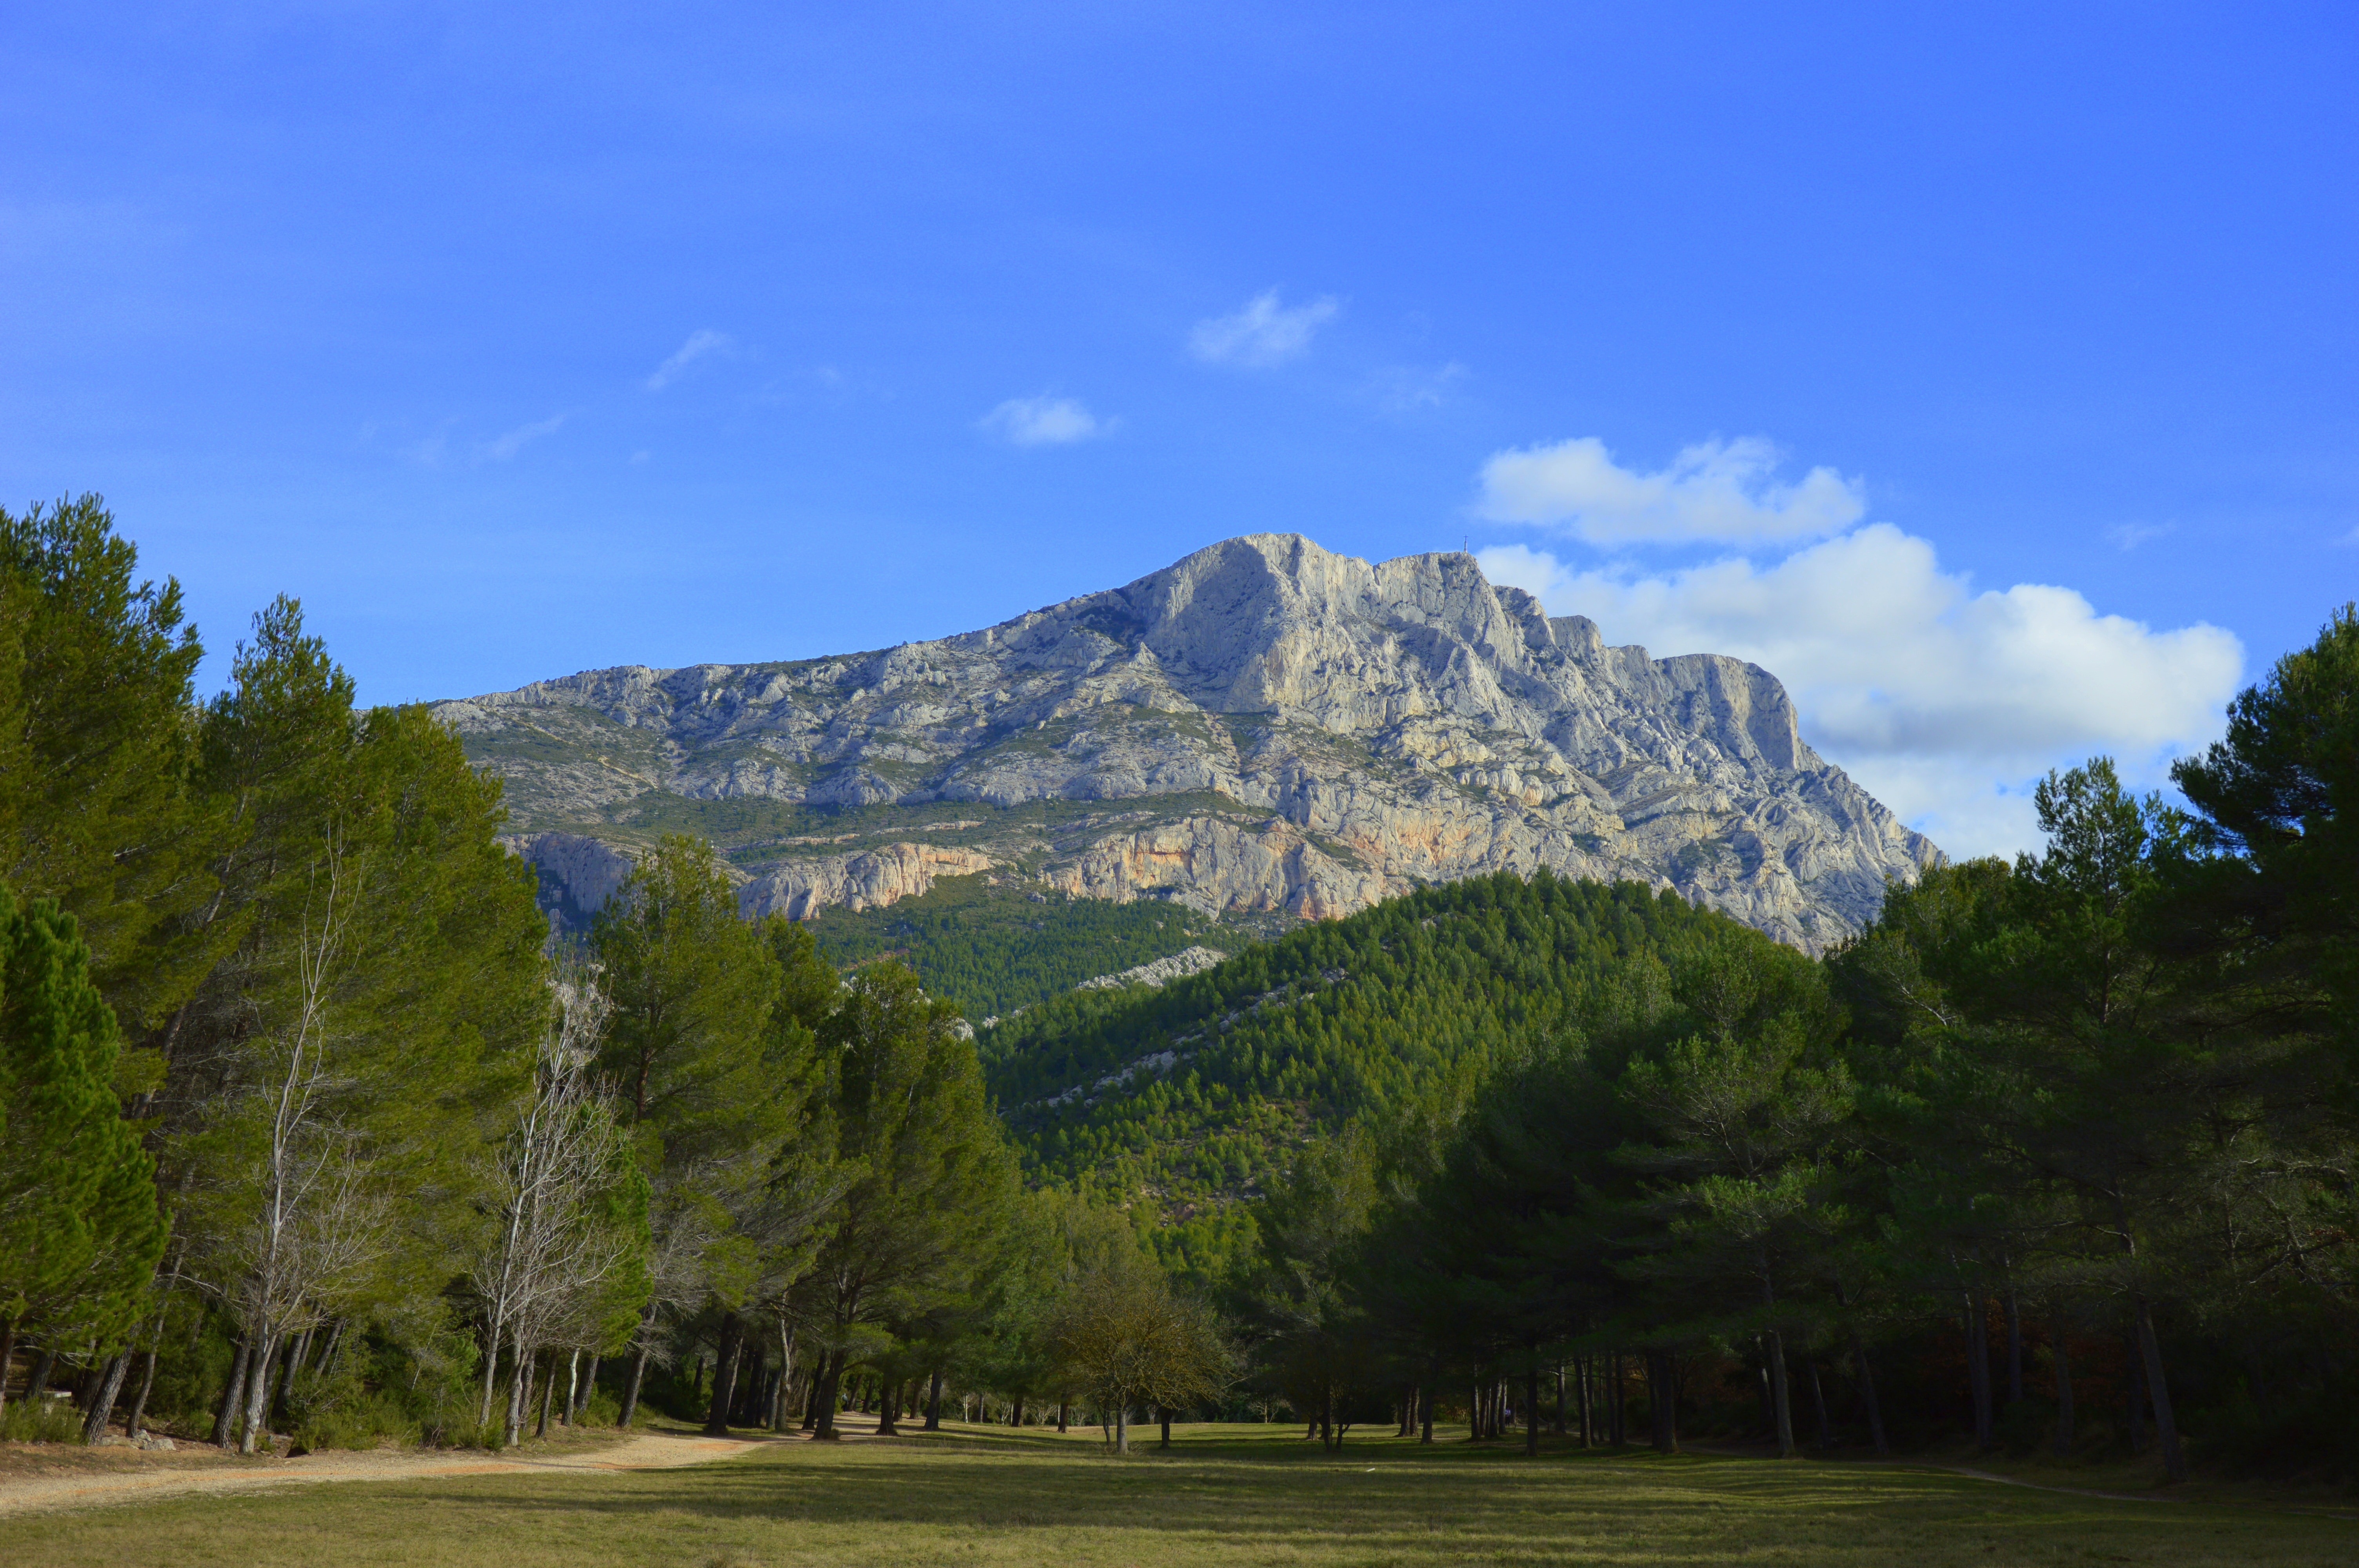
<point x="1222" y="1496"/>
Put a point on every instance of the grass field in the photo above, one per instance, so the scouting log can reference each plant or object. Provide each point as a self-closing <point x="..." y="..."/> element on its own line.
<point x="1222" y="1495"/>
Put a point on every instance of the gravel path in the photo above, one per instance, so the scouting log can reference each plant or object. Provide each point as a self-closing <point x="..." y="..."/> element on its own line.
<point x="661" y="1451"/>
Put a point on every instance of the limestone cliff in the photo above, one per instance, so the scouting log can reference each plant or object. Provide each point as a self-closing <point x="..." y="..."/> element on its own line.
<point x="1262" y="727"/>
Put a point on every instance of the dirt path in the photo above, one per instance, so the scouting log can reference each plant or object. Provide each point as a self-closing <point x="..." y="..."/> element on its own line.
<point x="661" y="1451"/>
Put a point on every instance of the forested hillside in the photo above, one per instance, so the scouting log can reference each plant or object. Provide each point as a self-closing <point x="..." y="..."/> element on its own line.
<point x="1197" y="1096"/>
<point x="992" y="948"/>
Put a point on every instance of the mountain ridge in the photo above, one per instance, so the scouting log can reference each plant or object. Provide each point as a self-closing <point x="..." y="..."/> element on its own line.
<point x="1263" y="728"/>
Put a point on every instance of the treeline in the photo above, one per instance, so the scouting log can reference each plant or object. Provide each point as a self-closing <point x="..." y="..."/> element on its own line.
<point x="308" y="1126"/>
<point x="2057" y="1154"/>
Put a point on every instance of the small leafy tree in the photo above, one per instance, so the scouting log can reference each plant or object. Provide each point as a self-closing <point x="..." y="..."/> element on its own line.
<point x="1127" y="1340"/>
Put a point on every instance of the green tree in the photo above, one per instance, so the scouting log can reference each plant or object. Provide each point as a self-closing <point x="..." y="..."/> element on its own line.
<point x="100" y="804"/>
<point x="931" y="1174"/>
<point x="80" y="1233"/>
<point x="714" y="1048"/>
<point x="374" y="1006"/>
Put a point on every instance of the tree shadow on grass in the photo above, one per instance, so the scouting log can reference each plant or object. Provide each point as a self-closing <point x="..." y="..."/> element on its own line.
<point x="1431" y="1504"/>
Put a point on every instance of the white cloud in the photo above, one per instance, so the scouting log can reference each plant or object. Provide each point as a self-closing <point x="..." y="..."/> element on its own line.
<point x="1043" y="421"/>
<point x="1405" y="389"/>
<point x="1724" y="491"/>
<point x="500" y="449"/>
<point x="1263" y="334"/>
<point x="703" y="342"/>
<point x="1943" y="702"/>
<point x="2127" y="537"/>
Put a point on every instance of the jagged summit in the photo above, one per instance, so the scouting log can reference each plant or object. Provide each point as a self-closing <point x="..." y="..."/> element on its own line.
<point x="1264" y="725"/>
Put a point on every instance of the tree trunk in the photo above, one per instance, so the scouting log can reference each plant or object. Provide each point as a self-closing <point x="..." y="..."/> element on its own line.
<point x="1424" y="1413"/>
<point x="572" y="1387"/>
<point x="2166" y="1426"/>
<point x="1868" y="1393"/>
<point x="135" y="1420"/>
<point x="589" y="1388"/>
<point x="1585" y="1398"/>
<point x="1532" y="1411"/>
<point x="1163" y="1413"/>
<point x="1663" y="1401"/>
<point x="1780" y="1397"/>
<point x="7" y="1357"/>
<point x="1558" y="1426"/>
<point x="2136" y="1357"/>
<point x="831" y="1381"/>
<point x="934" y="1404"/>
<point x="1121" y="1428"/>
<point x="1017" y="1417"/>
<point x="725" y="1379"/>
<point x="781" y="1413"/>
<point x="1617" y="1400"/>
<point x="1977" y="1332"/>
<point x="888" y="1409"/>
<point x="548" y="1397"/>
<point x="44" y="1361"/>
<point x="2065" y="1436"/>
<point x="810" y="1395"/>
<point x="1818" y="1404"/>
<point x="254" y="1421"/>
<point x="1327" y="1416"/>
<point x="2013" y="1348"/>
<point x="1060" y="1415"/>
<point x="103" y="1395"/>
<point x="519" y="1396"/>
<point x="630" y="1409"/>
<point x="225" y="1423"/>
<point x="745" y="1402"/>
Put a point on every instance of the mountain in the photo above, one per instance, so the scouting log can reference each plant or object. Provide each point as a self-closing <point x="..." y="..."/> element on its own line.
<point x="1264" y="729"/>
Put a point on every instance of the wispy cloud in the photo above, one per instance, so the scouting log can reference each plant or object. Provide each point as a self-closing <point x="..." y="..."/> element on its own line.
<point x="1265" y="334"/>
<point x="1043" y="421"/>
<point x="2127" y="536"/>
<point x="1405" y="389"/>
<point x="1721" y="491"/>
<point x="500" y="449"/>
<point x="701" y="343"/>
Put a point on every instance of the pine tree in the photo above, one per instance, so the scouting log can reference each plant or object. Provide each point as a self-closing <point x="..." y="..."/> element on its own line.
<point x="79" y="1233"/>
<point x="100" y="807"/>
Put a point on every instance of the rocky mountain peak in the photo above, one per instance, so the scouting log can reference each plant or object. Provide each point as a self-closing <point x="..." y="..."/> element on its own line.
<point x="1262" y="727"/>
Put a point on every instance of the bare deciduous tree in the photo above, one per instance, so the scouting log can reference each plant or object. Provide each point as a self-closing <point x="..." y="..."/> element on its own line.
<point x="560" y="1243"/>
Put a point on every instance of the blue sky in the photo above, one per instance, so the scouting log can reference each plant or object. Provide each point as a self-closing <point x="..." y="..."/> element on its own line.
<point x="1987" y="372"/>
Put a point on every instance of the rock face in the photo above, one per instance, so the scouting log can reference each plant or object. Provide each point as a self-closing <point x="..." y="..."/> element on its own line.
<point x="1262" y="727"/>
<point x="1161" y="972"/>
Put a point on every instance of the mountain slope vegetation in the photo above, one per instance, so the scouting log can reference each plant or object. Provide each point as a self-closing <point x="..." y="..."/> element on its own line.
<point x="1193" y="1098"/>
<point x="991" y="949"/>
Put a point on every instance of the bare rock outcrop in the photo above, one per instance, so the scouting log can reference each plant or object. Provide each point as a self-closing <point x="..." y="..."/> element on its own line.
<point x="800" y="888"/>
<point x="1264" y="725"/>
<point x="1160" y="972"/>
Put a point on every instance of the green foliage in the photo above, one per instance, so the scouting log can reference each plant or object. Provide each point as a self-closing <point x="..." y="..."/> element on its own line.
<point x="99" y="808"/>
<point x="1380" y="1013"/>
<point x="993" y="950"/>
<point x="921" y="1215"/>
<point x="80" y="1233"/>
